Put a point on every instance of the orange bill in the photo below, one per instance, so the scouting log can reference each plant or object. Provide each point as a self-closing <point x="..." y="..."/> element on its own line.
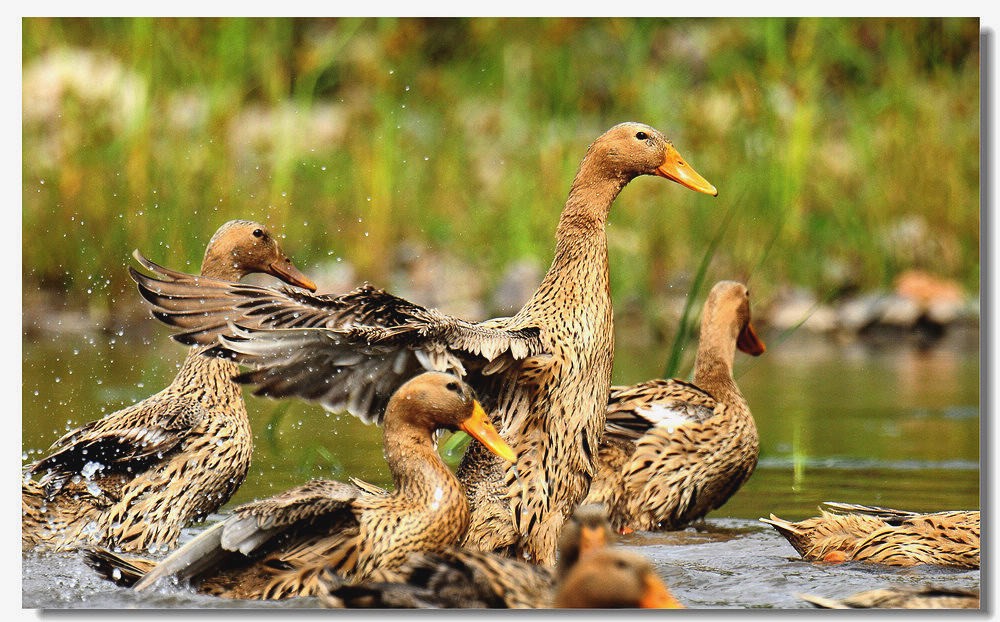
<point x="749" y="342"/>
<point x="285" y="270"/>
<point x="592" y="539"/>
<point x="478" y="426"/>
<point x="676" y="169"/>
<point x="657" y="596"/>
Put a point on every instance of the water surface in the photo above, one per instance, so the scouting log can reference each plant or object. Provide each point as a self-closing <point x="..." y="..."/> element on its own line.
<point x="886" y="425"/>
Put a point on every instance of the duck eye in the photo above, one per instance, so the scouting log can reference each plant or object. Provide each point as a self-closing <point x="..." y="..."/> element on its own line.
<point x="258" y="233"/>
<point x="641" y="135"/>
<point x="453" y="386"/>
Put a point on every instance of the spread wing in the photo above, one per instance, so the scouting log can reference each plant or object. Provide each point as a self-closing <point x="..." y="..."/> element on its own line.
<point x="347" y="352"/>
<point x="634" y="410"/>
<point x="253" y="525"/>
<point x="126" y="441"/>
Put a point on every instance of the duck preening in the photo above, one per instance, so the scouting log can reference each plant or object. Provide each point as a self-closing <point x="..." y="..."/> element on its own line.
<point x="282" y="546"/>
<point x="674" y="451"/>
<point x="134" y="478"/>
<point x="544" y="374"/>
<point x="849" y="532"/>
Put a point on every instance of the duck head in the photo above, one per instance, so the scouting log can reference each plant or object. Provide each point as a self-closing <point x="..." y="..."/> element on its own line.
<point x="440" y="401"/>
<point x="631" y="149"/>
<point x="242" y="247"/>
<point x="587" y="530"/>
<point x="729" y="299"/>
<point x="613" y="578"/>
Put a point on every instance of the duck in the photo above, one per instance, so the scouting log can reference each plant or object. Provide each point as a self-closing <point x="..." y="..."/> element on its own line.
<point x="673" y="450"/>
<point x="543" y="373"/>
<point x="853" y="532"/>
<point x="279" y="547"/>
<point x="901" y="597"/>
<point x="134" y="478"/>
<point x="467" y="578"/>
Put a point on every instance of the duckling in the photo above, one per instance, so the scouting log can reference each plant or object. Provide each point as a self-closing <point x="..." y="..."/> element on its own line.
<point x="134" y="478"/>
<point x="280" y="547"/>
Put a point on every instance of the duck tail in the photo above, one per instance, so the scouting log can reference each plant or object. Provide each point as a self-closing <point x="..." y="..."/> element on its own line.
<point x="784" y="527"/>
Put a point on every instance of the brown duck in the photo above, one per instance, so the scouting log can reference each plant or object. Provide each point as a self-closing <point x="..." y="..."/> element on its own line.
<point x="674" y="451"/>
<point x="280" y="547"/>
<point x="544" y="373"/>
<point x="901" y="597"/>
<point x="467" y="578"/>
<point x="852" y="532"/>
<point x="133" y="479"/>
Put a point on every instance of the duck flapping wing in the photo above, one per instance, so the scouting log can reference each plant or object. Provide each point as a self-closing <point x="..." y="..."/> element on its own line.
<point x="347" y="352"/>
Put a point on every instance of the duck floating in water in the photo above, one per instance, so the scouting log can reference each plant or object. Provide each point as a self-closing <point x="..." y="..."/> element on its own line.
<point x="850" y="532"/>
<point x="134" y="478"/>
<point x="544" y="373"/>
<point x="674" y="451"/>
<point x="282" y="546"/>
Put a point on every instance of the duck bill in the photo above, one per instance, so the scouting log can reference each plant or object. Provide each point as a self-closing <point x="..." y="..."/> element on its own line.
<point x="677" y="170"/>
<point x="478" y="426"/>
<point x="657" y="596"/>
<point x="285" y="270"/>
<point x="592" y="539"/>
<point x="749" y="342"/>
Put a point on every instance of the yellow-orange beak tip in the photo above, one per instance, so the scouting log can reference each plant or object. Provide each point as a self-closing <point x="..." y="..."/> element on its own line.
<point x="478" y="426"/>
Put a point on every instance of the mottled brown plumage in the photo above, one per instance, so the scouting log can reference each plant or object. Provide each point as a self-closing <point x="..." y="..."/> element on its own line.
<point x="467" y="578"/>
<point x="674" y="451"/>
<point x="134" y="478"/>
<point x="884" y="536"/>
<point x="544" y="373"/>
<point x="901" y="597"/>
<point x="281" y="546"/>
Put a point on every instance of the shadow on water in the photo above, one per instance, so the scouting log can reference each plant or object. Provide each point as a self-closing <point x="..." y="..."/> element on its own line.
<point x="891" y="426"/>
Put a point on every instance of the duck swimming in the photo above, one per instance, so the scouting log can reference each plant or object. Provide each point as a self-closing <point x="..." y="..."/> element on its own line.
<point x="134" y="478"/>
<point x="280" y="547"/>
<point x="674" y="451"/>
<point x="850" y="532"/>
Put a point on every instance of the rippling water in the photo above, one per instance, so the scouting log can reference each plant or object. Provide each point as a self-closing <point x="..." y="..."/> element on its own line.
<point x="886" y="425"/>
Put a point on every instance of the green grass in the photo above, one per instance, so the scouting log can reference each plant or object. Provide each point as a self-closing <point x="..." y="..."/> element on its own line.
<point x="465" y="134"/>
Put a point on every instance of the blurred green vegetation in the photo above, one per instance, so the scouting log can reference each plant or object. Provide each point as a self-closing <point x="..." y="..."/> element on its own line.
<point x="848" y="148"/>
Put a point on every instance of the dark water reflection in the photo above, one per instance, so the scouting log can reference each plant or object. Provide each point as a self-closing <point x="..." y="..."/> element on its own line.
<point x="888" y="425"/>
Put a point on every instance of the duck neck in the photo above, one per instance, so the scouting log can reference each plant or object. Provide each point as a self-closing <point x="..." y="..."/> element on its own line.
<point x="417" y="469"/>
<point x="211" y="377"/>
<point x="580" y="263"/>
<point x="713" y="368"/>
<point x="589" y="202"/>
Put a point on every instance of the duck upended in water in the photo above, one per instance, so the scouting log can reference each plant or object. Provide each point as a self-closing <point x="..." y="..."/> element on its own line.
<point x="544" y="373"/>
<point x="282" y="546"/>
<point x="467" y="578"/>
<point x="673" y="451"/>
<point x="884" y="536"/>
<point x="133" y="479"/>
